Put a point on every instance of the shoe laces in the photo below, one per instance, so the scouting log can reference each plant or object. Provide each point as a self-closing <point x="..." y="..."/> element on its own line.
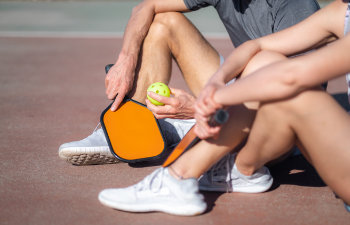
<point x="96" y="130"/>
<point x="152" y="182"/>
<point x="221" y="171"/>
<point x="97" y="127"/>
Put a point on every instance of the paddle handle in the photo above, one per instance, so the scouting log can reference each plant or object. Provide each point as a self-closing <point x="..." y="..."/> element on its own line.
<point x="220" y="117"/>
<point x="190" y="139"/>
<point x="108" y="67"/>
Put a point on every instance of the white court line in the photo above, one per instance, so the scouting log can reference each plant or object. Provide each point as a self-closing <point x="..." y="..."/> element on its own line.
<point x="48" y="34"/>
<point x="65" y="34"/>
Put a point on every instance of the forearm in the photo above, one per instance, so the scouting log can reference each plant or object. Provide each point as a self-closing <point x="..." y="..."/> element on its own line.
<point x="288" y="77"/>
<point x="237" y="61"/>
<point x="270" y="83"/>
<point x="136" y="31"/>
<point x="140" y="22"/>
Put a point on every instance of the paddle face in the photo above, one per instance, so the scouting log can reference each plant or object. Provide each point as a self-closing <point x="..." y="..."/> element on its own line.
<point x="132" y="132"/>
<point x="190" y="139"/>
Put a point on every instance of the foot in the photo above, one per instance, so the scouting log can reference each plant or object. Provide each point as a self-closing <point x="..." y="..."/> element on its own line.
<point x="225" y="177"/>
<point x="89" y="151"/>
<point x="158" y="191"/>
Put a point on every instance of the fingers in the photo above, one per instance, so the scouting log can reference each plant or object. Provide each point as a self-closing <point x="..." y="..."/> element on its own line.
<point x="119" y="81"/>
<point x="179" y="106"/>
<point x="119" y="98"/>
<point x="159" y="98"/>
<point x="160" y="112"/>
<point x="205" y="133"/>
<point x="111" y="84"/>
<point x="205" y="105"/>
<point x="176" y="91"/>
<point x="204" y="130"/>
<point x="106" y="81"/>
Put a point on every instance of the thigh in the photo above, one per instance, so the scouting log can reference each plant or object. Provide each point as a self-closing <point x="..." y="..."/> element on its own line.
<point x="196" y="57"/>
<point x="323" y="128"/>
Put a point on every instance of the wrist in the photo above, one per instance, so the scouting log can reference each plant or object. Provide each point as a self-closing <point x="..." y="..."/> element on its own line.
<point x="218" y="78"/>
<point x="218" y="97"/>
<point x="126" y="58"/>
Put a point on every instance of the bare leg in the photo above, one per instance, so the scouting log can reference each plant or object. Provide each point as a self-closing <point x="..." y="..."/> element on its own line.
<point x="322" y="127"/>
<point x="270" y="138"/>
<point x="173" y="35"/>
<point x="208" y="152"/>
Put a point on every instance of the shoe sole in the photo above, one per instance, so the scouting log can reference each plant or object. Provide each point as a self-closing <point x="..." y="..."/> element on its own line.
<point x="81" y="156"/>
<point x="247" y="189"/>
<point x="182" y="210"/>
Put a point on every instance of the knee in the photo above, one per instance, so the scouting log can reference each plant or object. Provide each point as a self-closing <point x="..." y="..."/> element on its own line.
<point x="164" y="24"/>
<point x="170" y="20"/>
<point x="298" y="106"/>
<point x="260" y="60"/>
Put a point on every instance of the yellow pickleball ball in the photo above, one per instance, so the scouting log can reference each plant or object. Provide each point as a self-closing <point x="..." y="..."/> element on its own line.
<point x="160" y="89"/>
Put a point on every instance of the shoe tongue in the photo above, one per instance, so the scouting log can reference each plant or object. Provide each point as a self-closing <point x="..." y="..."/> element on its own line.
<point x="153" y="181"/>
<point x="220" y="171"/>
<point x="220" y="178"/>
<point x="101" y="136"/>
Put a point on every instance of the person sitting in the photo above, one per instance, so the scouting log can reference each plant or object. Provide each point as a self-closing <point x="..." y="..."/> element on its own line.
<point x="290" y="108"/>
<point x="157" y="33"/>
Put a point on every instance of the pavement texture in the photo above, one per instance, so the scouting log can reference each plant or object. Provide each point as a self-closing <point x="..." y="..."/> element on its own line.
<point x="52" y="91"/>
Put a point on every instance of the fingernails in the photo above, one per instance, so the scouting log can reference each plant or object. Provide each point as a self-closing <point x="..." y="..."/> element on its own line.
<point x="113" y="108"/>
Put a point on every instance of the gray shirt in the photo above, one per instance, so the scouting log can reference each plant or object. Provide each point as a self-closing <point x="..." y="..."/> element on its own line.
<point x="249" y="19"/>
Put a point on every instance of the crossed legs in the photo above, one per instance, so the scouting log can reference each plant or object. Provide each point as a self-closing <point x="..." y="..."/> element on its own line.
<point x="312" y="120"/>
<point x="233" y="133"/>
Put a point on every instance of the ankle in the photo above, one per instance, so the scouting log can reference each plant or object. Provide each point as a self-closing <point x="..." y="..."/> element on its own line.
<point x="175" y="174"/>
<point x="245" y="169"/>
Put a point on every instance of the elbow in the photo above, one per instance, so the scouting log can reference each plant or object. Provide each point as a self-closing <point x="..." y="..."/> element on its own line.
<point x="289" y="78"/>
<point x="253" y="45"/>
<point x="292" y="79"/>
<point x="137" y="9"/>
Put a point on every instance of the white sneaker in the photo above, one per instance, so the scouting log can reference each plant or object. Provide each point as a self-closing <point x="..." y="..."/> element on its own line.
<point x="225" y="177"/>
<point x="159" y="191"/>
<point x="95" y="150"/>
<point x="91" y="150"/>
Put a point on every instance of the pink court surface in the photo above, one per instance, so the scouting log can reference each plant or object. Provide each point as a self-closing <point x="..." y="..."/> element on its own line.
<point x="52" y="91"/>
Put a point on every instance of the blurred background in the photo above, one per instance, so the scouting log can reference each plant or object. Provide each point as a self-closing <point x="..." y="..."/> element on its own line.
<point x="52" y="58"/>
<point x="84" y="18"/>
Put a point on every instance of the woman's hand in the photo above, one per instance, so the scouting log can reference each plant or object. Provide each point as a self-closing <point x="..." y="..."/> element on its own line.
<point x="205" y="107"/>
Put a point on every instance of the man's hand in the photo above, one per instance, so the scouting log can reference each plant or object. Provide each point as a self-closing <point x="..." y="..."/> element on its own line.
<point x="119" y="81"/>
<point x="177" y="106"/>
<point x="205" y="108"/>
